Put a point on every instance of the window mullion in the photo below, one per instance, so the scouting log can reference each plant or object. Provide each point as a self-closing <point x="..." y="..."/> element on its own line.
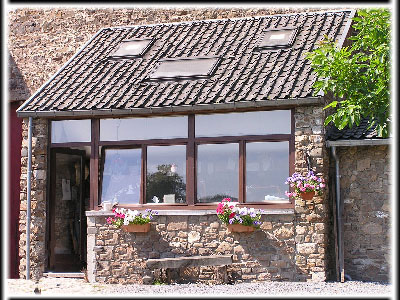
<point x="242" y="171"/>
<point x="190" y="163"/>
<point x="144" y="172"/>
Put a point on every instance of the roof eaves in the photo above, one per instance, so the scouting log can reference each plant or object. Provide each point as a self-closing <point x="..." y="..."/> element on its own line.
<point x="172" y="109"/>
<point x="363" y="142"/>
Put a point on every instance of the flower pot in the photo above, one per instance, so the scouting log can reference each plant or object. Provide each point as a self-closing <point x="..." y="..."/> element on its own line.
<point x="240" y="228"/>
<point x="307" y="195"/>
<point x="136" y="227"/>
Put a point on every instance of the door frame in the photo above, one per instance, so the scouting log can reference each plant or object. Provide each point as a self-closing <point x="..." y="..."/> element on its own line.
<point x="51" y="203"/>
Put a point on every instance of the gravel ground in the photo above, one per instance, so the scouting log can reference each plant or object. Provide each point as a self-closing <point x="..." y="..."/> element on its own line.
<point x="78" y="287"/>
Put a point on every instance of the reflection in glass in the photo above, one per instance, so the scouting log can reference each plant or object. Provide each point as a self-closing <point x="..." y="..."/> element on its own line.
<point x="191" y="67"/>
<point x="217" y="172"/>
<point x="121" y="176"/>
<point x="67" y="131"/>
<point x="132" y="48"/>
<point x="143" y="128"/>
<point x="166" y="174"/>
<point x="267" y="167"/>
<point x="244" y="123"/>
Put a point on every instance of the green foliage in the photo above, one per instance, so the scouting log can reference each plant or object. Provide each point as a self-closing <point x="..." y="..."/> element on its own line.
<point x="216" y="198"/>
<point x="118" y="222"/>
<point x="357" y="75"/>
<point x="158" y="282"/>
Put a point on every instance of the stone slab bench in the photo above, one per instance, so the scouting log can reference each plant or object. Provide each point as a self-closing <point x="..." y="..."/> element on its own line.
<point x="190" y="261"/>
<point x="64" y="275"/>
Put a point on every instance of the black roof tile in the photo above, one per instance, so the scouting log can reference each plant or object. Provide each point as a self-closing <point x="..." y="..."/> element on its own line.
<point x="353" y="133"/>
<point x="93" y="81"/>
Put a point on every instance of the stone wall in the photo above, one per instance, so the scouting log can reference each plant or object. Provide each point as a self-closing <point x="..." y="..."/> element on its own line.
<point x="38" y="257"/>
<point x="120" y="257"/>
<point x="312" y="216"/>
<point x="365" y="190"/>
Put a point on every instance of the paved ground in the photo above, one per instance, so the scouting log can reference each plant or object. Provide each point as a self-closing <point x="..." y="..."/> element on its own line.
<point x="78" y="287"/>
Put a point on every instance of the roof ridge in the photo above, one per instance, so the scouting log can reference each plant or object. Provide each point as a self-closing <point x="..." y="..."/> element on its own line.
<point x="230" y="19"/>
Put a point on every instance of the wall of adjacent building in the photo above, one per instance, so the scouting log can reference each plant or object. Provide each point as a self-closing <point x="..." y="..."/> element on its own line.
<point x="365" y="190"/>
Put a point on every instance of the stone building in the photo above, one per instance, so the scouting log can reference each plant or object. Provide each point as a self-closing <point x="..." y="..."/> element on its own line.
<point x="227" y="101"/>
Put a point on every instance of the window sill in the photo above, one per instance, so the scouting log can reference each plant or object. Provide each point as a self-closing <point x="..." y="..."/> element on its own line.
<point x="197" y="212"/>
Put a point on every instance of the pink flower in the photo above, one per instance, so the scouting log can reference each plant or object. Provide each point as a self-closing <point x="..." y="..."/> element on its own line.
<point x="220" y="208"/>
<point x="302" y="189"/>
<point x="322" y="185"/>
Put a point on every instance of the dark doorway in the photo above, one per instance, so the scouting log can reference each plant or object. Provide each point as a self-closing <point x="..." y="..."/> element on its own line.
<point x="69" y="188"/>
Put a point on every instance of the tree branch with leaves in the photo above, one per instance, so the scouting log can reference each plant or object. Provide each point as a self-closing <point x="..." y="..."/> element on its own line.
<point x="358" y="76"/>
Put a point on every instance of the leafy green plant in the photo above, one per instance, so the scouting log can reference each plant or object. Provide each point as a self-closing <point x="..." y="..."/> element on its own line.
<point x="158" y="282"/>
<point x="358" y="75"/>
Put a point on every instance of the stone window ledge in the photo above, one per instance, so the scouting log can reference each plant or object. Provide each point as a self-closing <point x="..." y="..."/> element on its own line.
<point x="100" y="213"/>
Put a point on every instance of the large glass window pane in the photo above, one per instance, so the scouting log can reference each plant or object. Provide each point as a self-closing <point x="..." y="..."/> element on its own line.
<point x="143" y="128"/>
<point x="121" y="176"/>
<point x="244" y="123"/>
<point x="66" y="131"/>
<point x="267" y="167"/>
<point x="217" y="172"/>
<point x="166" y="174"/>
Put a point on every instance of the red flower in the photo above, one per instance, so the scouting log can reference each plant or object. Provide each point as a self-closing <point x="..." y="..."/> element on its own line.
<point x="231" y="215"/>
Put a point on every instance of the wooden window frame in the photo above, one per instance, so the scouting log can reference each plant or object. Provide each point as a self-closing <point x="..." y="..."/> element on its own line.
<point x="191" y="143"/>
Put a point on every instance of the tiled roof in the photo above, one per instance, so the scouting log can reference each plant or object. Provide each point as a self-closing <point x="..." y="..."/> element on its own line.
<point x="91" y="81"/>
<point x="355" y="133"/>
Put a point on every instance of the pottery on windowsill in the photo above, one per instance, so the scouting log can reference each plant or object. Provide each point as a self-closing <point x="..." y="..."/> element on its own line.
<point x="136" y="227"/>
<point x="240" y="228"/>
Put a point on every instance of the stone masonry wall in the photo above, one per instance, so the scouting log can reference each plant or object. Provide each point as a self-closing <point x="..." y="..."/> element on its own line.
<point x="365" y="190"/>
<point x="266" y="254"/>
<point x="38" y="257"/>
<point x="311" y="216"/>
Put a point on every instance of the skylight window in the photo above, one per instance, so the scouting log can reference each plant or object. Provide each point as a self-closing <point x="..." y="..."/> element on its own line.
<point x="278" y="38"/>
<point x="132" y="48"/>
<point x="195" y="67"/>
